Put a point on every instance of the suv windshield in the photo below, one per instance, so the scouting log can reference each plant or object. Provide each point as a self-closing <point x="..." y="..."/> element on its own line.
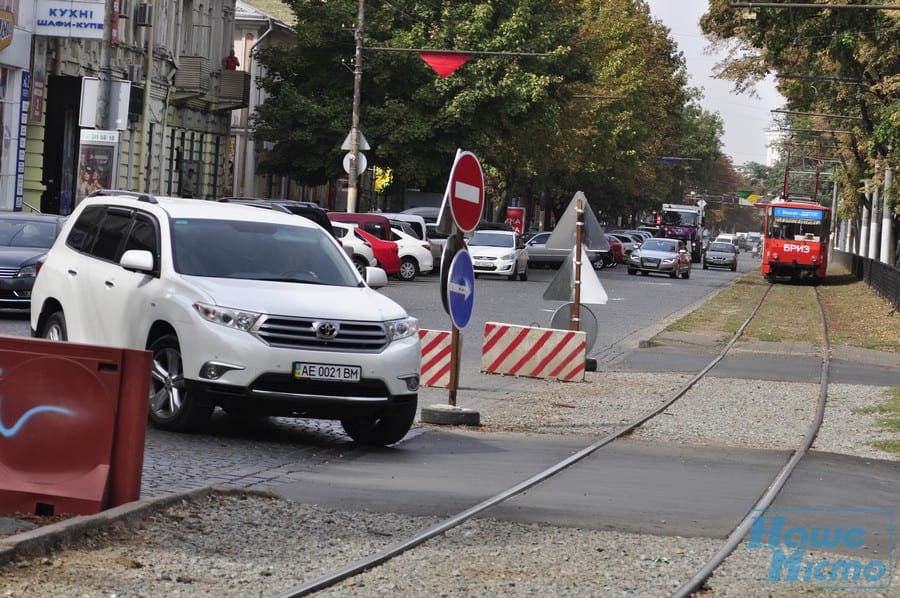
<point x="258" y="251"/>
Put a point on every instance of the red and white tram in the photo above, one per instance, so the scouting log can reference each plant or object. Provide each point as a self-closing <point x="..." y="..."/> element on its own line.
<point x="795" y="242"/>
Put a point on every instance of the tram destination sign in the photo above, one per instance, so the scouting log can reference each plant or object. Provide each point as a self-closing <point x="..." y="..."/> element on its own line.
<point x="798" y="213"/>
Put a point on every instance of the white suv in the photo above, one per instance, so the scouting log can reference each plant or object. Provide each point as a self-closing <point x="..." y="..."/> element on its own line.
<point x="255" y="311"/>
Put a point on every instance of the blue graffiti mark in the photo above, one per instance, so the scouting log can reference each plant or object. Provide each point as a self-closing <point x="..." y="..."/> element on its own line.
<point x="10" y="432"/>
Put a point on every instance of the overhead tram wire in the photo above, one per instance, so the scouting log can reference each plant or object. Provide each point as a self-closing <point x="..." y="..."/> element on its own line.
<point x="839" y="116"/>
<point x="808" y="5"/>
<point x="472" y="52"/>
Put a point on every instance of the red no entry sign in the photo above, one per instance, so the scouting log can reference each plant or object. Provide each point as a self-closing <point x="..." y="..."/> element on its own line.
<point x="466" y="191"/>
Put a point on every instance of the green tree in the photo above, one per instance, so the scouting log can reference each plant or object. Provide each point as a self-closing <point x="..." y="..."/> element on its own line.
<point x="414" y="119"/>
<point x="595" y="112"/>
<point x="841" y="62"/>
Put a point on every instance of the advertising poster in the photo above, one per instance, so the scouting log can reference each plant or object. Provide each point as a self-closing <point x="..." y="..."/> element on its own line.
<point x="515" y="217"/>
<point x="190" y="178"/>
<point x="97" y="159"/>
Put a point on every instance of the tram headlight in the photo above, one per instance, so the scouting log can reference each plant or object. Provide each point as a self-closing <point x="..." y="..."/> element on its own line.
<point x="774" y="256"/>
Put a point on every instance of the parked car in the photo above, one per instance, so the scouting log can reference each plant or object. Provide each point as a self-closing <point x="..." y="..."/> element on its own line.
<point x="542" y="256"/>
<point x="617" y="249"/>
<point x="413" y="220"/>
<point x="374" y="224"/>
<point x="661" y="256"/>
<point x="498" y="252"/>
<point x="386" y="252"/>
<point x="254" y="311"/>
<point x="360" y="250"/>
<point x="24" y="237"/>
<point x="720" y="255"/>
<point x="629" y="242"/>
<point x="307" y="209"/>
<point x="437" y="240"/>
<point x="429" y="213"/>
<point x="415" y="255"/>
<point x="640" y="234"/>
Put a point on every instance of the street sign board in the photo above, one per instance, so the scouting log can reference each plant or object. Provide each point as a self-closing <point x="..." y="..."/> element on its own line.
<point x="446" y="259"/>
<point x="465" y="191"/>
<point x="360" y="141"/>
<point x="461" y="288"/>
<point x="361" y="163"/>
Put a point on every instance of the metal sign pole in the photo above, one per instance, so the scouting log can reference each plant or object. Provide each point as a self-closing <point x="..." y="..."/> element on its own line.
<point x="454" y="365"/>
<point x="576" y="301"/>
<point x="455" y="339"/>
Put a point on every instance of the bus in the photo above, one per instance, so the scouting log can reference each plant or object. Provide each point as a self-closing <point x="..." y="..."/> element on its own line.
<point x="795" y="240"/>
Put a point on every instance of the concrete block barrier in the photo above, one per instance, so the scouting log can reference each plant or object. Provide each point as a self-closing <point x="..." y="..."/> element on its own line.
<point x="533" y="352"/>
<point x="435" y="358"/>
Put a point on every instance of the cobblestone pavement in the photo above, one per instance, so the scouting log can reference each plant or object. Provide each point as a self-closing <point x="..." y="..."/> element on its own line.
<point x="250" y="455"/>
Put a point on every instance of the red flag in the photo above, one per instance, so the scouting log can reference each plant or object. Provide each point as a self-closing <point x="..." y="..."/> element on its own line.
<point x="444" y="63"/>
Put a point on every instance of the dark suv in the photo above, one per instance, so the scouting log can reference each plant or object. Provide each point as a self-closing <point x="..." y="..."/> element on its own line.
<point x="307" y="209"/>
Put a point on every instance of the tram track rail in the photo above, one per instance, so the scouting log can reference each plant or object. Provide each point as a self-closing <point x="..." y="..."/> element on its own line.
<point x="696" y="582"/>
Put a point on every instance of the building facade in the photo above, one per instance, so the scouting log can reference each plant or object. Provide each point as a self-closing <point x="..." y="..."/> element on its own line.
<point x="126" y="95"/>
<point x="16" y="26"/>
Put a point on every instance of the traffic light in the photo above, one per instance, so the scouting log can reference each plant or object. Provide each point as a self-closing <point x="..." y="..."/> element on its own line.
<point x="384" y="177"/>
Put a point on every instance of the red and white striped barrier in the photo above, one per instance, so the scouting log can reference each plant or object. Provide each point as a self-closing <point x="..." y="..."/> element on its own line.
<point x="435" y="358"/>
<point x="534" y="352"/>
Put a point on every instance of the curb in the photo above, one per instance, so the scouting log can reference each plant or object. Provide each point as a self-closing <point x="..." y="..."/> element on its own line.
<point x="47" y="538"/>
<point x="450" y="415"/>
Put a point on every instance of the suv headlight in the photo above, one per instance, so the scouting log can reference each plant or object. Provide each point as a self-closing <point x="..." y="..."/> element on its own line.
<point x="232" y="318"/>
<point x="402" y="328"/>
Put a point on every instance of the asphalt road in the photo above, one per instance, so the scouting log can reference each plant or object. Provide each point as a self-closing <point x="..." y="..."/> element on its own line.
<point x="442" y="471"/>
<point x="707" y="489"/>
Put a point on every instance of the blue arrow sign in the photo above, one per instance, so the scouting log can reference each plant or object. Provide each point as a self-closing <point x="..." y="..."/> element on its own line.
<point x="461" y="288"/>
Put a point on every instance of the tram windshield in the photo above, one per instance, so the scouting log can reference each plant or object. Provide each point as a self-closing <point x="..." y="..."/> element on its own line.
<point x="797" y="224"/>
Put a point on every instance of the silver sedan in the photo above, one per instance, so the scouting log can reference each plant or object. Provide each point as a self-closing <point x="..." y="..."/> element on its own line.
<point x="660" y="256"/>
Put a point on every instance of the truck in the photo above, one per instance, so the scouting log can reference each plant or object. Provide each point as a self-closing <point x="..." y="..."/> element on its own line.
<point x="684" y="222"/>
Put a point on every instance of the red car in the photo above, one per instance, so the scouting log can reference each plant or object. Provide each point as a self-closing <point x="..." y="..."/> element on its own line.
<point x="386" y="252"/>
<point x="616" y="247"/>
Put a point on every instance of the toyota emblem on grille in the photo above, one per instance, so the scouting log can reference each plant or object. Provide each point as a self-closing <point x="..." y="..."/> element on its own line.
<point x="326" y="330"/>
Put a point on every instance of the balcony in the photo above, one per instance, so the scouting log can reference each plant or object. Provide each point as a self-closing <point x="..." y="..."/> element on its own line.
<point x="234" y="90"/>
<point x="192" y="77"/>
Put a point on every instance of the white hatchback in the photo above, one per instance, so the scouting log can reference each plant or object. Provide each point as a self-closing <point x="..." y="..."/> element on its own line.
<point x="254" y="311"/>
<point x="498" y="252"/>
<point x="360" y="251"/>
<point x="415" y="255"/>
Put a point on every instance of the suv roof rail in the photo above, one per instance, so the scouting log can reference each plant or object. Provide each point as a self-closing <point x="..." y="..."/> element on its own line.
<point x="135" y="194"/>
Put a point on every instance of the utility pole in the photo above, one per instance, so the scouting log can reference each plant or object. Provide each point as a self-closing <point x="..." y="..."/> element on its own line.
<point x="353" y="169"/>
<point x="102" y="114"/>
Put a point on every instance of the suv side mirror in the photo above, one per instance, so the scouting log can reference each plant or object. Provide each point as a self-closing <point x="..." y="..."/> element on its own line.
<point x="376" y="277"/>
<point x="137" y="259"/>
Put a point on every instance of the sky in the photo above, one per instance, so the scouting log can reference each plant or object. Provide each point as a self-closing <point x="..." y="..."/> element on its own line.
<point x="745" y="118"/>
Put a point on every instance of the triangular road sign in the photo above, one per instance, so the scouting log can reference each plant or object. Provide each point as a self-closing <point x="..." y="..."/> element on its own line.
<point x="363" y="144"/>
<point x="562" y="287"/>
<point x="592" y="235"/>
